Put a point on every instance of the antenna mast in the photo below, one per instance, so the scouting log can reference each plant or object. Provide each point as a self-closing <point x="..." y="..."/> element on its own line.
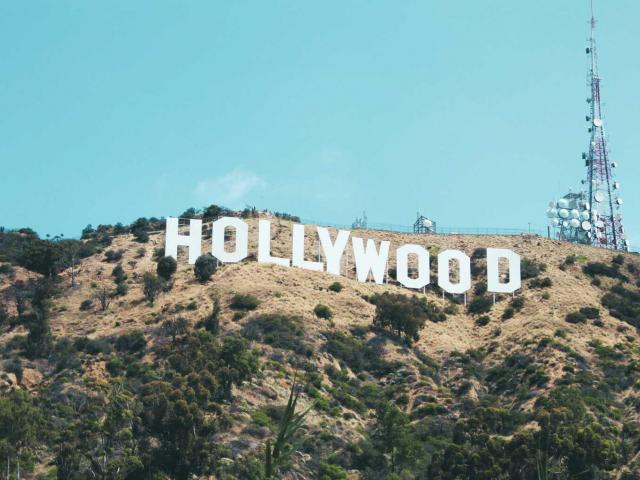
<point x="606" y="222"/>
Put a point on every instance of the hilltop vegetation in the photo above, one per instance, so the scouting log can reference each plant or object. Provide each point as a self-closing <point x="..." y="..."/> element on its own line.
<point x="118" y="363"/>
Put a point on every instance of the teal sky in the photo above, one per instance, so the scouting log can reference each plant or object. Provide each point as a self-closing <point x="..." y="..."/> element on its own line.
<point x="470" y="111"/>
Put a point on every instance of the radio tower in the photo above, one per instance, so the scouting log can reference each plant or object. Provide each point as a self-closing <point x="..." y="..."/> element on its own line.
<point x="606" y="228"/>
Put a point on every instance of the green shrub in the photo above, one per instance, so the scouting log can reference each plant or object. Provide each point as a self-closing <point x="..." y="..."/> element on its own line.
<point x="575" y="317"/>
<point x="531" y="269"/>
<point x="279" y="331"/>
<point x="590" y="312"/>
<point x="540" y="283"/>
<point x="322" y="311"/>
<point x="618" y="259"/>
<point x="192" y="306"/>
<point x="121" y="289"/>
<point x="166" y="267"/>
<point x="483" y="320"/>
<point x="329" y="471"/>
<point x="113" y="255"/>
<point x="596" y="268"/>
<point x="480" y="304"/>
<point x="151" y="286"/>
<point x="205" y="266"/>
<point x="451" y="308"/>
<point x="336" y="287"/>
<point x="480" y="288"/>
<point x="517" y="303"/>
<point x="131" y="342"/>
<point x="86" y="305"/>
<point x="404" y="315"/>
<point x="118" y="274"/>
<point x="508" y="313"/>
<point x="244" y="302"/>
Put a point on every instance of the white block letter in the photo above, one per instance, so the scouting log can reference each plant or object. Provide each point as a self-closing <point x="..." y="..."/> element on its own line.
<point x="264" y="245"/>
<point x="402" y="266"/>
<point x="369" y="259"/>
<point x="194" y="240"/>
<point x="217" y="239"/>
<point x="333" y="251"/>
<point x="297" y="256"/>
<point x="493" y="271"/>
<point x="444" y="280"/>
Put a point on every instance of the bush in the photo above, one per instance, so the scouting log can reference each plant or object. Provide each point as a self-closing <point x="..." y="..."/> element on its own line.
<point x="508" y="313"/>
<point x="167" y="266"/>
<point x="244" y="302"/>
<point x="517" y="303"/>
<point x="404" y="315"/>
<point x="531" y="268"/>
<point x="322" y="311"/>
<point x="329" y="471"/>
<point x="151" y="286"/>
<point x="279" y="331"/>
<point x="205" y="266"/>
<point x="483" y="320"/>
<point x="596" y="268"/>
<point x="480" y="288"/>
<point x="113" y="255"/>
<point x="212" y="322"/>
<point x="618" y="259"/>
<point x="121" y="289"/>
<point x="131" y="342"/>
<point x="590" y="312"/>
<point x="480" y="304"/>
<point x="576" y="317"/>
<point x="540" y="283"/>
<point x="335" y="287"/>
<point x="118" y="274"/>
<point x="86" y="305"/>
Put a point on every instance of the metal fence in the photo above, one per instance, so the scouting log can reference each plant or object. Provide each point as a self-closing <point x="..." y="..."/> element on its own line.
<point x="529" y="230"/>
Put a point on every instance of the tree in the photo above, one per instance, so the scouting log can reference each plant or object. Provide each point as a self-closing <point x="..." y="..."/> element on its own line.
<point x="205" y="266"/>
<point x="104" y="296"/>
<point x="39" y="339"/>
<point x="404" y="315"/>
<point x="174" y="327"/>
<point x="167" y="266"/>
<point x="212" y="322"/>
<point x="118" y="274"/>
<point x="151" y="286"/>
<point x="19" y="420"/>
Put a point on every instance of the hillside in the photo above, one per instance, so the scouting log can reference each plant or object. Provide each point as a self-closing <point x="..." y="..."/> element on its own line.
<point x="100" y="382"/>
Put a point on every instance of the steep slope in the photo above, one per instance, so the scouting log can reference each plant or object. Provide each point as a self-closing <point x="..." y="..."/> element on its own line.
<point x="468" y="399"/>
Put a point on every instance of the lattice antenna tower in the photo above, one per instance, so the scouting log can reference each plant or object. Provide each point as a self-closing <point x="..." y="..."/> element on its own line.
<point x="601" y="188"/>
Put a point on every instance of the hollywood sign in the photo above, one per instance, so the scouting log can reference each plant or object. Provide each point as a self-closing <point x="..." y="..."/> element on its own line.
<point x="370" y="261"/>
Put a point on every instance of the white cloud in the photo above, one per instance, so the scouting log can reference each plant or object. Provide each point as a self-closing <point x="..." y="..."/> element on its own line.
<point x="230" y="189"/>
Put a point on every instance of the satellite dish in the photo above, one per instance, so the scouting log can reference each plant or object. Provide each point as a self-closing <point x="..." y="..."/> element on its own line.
<point x="586" y="226"/>
<point x="619" y="201"/>
<point x="563" y="203"/>
<point x="565" y="223"/>
<point x="597" y="122"/>
<point x="614" y="164"/>
<point x="584" y="215"/>
<point x="552" y="213"/>
<point x="555" y="222"/>
<point x="575" y="223"/>
<point x="563" y="213"/>
<point x="427" y="223"/>
<point x="600" y="224"/>
<point x="616" y="185"/>
<point x="552" y="204"/>
<point x="575" y="214"/>
<point x="599" y="196"/>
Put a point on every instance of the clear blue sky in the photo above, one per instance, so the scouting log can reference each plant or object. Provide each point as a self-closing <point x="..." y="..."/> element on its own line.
<point x="471" y="111"/>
